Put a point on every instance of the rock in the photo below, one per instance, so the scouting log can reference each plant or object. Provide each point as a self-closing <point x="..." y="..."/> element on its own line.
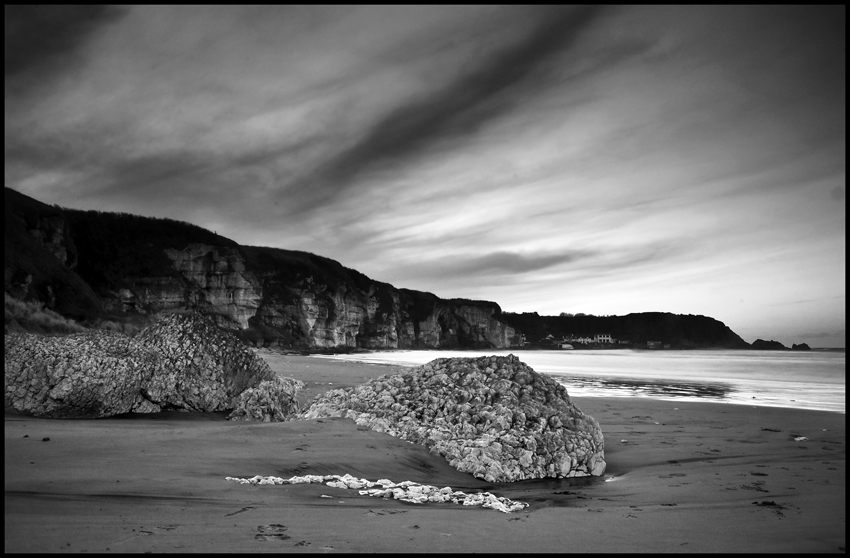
<point x="493" y="417"/>
<point x="762" y="345"/>
<point x="204" y="368"/>
<point x="800" y="347"/>
<point x="406" y="491"/>
<point x="270" y="401"/>
<point x="84" y="375"/>
<point x="182" y="362"/>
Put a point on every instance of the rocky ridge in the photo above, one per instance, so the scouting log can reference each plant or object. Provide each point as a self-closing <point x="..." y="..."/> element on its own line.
<point x="181" y="362"/>
<point x="493" y="417"/>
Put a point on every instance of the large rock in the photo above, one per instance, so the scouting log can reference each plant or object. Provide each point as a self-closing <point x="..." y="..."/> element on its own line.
<point x="270" y="401"/>
<point x="182" y="362"/>
<point x="493" y="417"/>
<point x="204" y="367"/>
<point x="83" y="375"/>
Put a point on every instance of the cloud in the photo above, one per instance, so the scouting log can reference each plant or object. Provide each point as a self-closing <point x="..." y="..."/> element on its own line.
<point x="456" y="110"/>
<point x="821" y="335"/>
<point x="500" y="263"/>
<point x="45" y="38"/>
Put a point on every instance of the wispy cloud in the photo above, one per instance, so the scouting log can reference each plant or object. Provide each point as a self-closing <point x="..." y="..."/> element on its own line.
<point x="458" y="109"/>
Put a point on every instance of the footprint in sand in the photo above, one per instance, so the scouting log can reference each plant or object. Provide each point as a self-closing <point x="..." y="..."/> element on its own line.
<point x="275" y="531"/>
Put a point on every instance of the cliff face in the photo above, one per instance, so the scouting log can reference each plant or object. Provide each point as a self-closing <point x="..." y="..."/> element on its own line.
<point x="88" y="264"/>
<point x="132" y="265"/>
<point x="40" y="257"/>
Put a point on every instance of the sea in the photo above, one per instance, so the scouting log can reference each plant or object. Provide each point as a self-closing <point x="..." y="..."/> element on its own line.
<point x="793" y="379"/>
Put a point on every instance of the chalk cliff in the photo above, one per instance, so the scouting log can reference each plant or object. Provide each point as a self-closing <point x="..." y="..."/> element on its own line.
<point x="125" y="265"/>
<point x="91" y="265"/>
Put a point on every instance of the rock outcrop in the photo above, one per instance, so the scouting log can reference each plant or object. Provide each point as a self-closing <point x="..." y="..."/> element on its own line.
<point x="204" y="368"/>
<point x="270" y="401"/>
<point x="182" y="362"/>
<point x="84" y="375"/>
<point x="762" y="345"/>
<point x="493" y="417"/>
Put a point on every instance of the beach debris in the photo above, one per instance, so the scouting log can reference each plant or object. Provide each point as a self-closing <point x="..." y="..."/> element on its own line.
<point x="800" y="439"/>
<point x="624" y="441"/>
<point x="406" y="491"/>
<point x="45" y="439"/>
<point x="493" y="417"/>
<point x="771" y="429"/>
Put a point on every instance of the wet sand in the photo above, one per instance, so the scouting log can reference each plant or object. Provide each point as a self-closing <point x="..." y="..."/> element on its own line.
<point x="681" y="477"/>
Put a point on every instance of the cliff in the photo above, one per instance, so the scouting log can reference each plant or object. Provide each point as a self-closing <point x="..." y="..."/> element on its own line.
<point x="40" y="256"/>
<point x="91" y="266"/>
<point x="122" y="265"/>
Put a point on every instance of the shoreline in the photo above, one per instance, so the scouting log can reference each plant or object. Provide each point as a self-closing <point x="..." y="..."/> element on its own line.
<point x="681" y="477"/>
<point x="627" y="385"/>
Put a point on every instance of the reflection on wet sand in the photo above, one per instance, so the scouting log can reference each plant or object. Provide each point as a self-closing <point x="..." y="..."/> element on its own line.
<point x="590" y="386"/>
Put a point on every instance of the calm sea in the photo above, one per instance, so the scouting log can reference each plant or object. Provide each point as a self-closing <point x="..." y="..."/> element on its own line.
<point x="808" y="380"/>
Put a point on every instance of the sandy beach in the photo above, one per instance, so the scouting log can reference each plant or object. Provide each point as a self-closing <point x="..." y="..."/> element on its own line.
<point x="681" y="477"/>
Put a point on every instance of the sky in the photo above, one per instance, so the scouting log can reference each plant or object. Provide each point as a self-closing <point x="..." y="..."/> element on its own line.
<point x="604" y="160"/>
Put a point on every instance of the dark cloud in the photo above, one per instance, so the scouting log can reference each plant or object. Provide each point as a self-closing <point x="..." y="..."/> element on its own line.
<point x="456" y="110"/>
<point x="42" y="38"/>
<point x="502" y="263"/>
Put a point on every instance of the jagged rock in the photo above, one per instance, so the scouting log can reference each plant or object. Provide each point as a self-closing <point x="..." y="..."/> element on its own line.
<point x="182" y="362"/>
<point x="493" y="417"/>
<point x="205" y="368"/>
<point x="800" y="347"/>
<point x="83" y="375"/>
<point x="270" y="401"/>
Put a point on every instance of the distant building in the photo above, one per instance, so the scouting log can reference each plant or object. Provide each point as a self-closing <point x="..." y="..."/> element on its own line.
<point x="602" y="338"/>
<point x="566" y="346"/>
<point x="653" y="344"/>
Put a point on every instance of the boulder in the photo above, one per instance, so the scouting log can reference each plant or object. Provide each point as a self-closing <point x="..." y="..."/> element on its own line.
<point x="84" y="375"/>
<point x="493" y="417"/>
<point x="204" y="368"/>
<point x="270" y="401"/>
<point x="182" y="362"/>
